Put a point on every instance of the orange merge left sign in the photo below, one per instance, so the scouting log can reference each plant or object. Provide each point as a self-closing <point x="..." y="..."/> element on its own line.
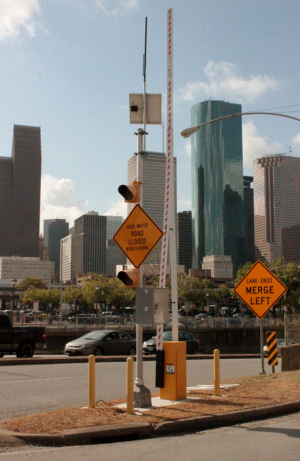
<point x="260" y="289"/>
<point x="137" y="236"/>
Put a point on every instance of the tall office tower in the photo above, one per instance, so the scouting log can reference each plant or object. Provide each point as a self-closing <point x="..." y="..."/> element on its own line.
<point x="276" y="204"/>
<point x="43" y="252"/>
<point x="290" y="238"/>
<point x="217" y="183"/>
<point x="89" y="244"/>
<point x="114" y="256"/>
<point x="20" y="191"/>
<point x="185" y="239"/>
<point x="249" y="219"/>
<point x="54" y="231"/>
<point x="113" y="224"/>
<point x="67" y="259"/>
<point x="154" y="180"/>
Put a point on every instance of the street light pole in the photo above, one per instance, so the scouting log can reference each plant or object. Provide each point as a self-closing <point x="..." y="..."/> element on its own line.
<point x="97" y="291"/>
<point x="13" y="282"/>
<point x="187" y="132"/>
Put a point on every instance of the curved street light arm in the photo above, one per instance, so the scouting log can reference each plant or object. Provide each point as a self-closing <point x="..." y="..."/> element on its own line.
<point x="187" y="132"/>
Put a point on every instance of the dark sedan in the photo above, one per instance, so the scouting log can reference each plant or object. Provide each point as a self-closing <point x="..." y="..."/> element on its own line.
<point x="192" y="343"/>
<point x="102" y="342"/>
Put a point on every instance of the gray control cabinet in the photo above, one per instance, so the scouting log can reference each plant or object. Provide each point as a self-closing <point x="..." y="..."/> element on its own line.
<point x="152" y="306"/>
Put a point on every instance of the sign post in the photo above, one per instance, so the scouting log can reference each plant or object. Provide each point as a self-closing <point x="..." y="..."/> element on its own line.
<point x="260" y="290"/>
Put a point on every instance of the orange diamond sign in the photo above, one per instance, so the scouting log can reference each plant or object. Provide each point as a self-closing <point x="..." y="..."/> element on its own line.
<point x="260" y="289"/>
<point x="137" y="236"/>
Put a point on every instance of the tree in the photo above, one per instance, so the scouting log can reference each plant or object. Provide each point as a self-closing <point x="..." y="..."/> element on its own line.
<point x="29" y="283"/>
<point x="118" y="295"/>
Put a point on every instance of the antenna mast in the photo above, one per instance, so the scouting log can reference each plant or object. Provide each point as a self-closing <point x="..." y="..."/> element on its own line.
<point x="144" y="74"/>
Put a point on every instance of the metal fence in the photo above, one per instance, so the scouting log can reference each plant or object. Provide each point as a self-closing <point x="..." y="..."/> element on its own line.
<point x="292" y="329"/>
<point x="292" y="326"/>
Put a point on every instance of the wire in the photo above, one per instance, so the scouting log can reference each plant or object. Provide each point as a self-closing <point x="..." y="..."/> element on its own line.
<point x="288" y="111"/>
<point x="275" y="108"/>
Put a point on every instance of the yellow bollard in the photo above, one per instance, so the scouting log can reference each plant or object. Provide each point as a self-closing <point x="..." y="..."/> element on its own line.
<point x="129" y="385"/>
<point x="217" y="372"/>
<point x="92" y="403"/>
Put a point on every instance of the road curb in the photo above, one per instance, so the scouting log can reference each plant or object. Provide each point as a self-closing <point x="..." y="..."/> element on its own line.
<point x="136" y="431"/>
<point x="64" y="359"/>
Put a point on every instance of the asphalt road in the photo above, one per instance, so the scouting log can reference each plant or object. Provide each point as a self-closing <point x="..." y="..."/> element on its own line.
<point x="269" y="440"/>
<point x="27" y="389"/>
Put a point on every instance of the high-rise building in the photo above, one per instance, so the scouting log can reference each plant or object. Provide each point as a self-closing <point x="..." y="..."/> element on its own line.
<point x="67" y="259"/>
<point x="89" y="244"/>
<point x="20" y="190"/>
<point x="185" y="239"/>
<point x="249" y="219"/>
<point x="154" y="180"/>
<point x="114" y="258"/>
<point x="290" y="238"/>
<point x="217" y="183"/>
<point x="220" y="266"/>
<point x="16" y="267"/>
<point x="113" y="224"/>
<point x="54" y="231"/>
<point x="276" y="204"/>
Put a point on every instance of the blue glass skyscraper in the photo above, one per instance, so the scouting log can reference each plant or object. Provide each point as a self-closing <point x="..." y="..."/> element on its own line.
<point x="217" y="183"/>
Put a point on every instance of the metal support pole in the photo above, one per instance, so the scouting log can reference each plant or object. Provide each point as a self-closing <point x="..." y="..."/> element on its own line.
<point x="91" y="381"/>
<point x="60" y="307"/>
<point x="129" y="386"/>
<point x="217" y="372"/>
<point x="142" y="394"/>
<point x="261" y="330"/>
<point x="285" y="321"/>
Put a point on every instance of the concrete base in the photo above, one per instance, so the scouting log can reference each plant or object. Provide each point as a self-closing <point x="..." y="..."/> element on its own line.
<point x="157" y="402"/>
<point x="142" y="397"/>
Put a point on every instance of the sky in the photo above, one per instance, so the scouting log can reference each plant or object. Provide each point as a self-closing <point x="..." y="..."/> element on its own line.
<point x="68" y="66"/>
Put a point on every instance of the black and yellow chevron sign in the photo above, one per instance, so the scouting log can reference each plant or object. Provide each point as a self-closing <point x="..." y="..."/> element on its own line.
<point x="272" y="348"/>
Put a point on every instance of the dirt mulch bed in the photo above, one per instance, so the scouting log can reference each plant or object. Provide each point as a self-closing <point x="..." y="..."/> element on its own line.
<point x="252" y="392"/>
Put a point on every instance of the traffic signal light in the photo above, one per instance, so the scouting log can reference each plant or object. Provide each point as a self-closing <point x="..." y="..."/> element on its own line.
<point x="130" y="277"/>
<point x="131" y="193"/>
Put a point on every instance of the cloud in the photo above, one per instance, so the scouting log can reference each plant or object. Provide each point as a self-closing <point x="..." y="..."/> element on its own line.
<point x="117" y="6"/>
<point x="17" y="14"/>
<point x="131" y="4"/>
<point x="224" y="83"/>
<point x="184" y="205"/>
<point x="118" y="208"/>
<point x="296" y="143"/>
<point x="187" y="148"/>
<point x="256" y="146"/>
<point x="57" y="200"/>
<point x="184" y="157"/>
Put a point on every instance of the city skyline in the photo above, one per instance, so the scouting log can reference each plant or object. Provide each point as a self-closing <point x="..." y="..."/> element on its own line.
<point x="70" y="67"/>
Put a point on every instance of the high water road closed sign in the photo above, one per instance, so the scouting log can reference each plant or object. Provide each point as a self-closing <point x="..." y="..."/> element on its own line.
<point x="137" y="236"/>
<point x="260" y="289"/>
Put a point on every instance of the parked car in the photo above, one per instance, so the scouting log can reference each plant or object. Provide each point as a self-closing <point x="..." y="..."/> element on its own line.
<point x="101" y="342"/>
<point x="200" y="318"/>
<point x="192" y="343"/>
<point x="111" y="317"/>
<point x="21" y="340"/>
<point x="82" y="318"/>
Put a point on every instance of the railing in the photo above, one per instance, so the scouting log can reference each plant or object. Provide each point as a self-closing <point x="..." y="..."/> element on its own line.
<point x="184" y="323"/>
